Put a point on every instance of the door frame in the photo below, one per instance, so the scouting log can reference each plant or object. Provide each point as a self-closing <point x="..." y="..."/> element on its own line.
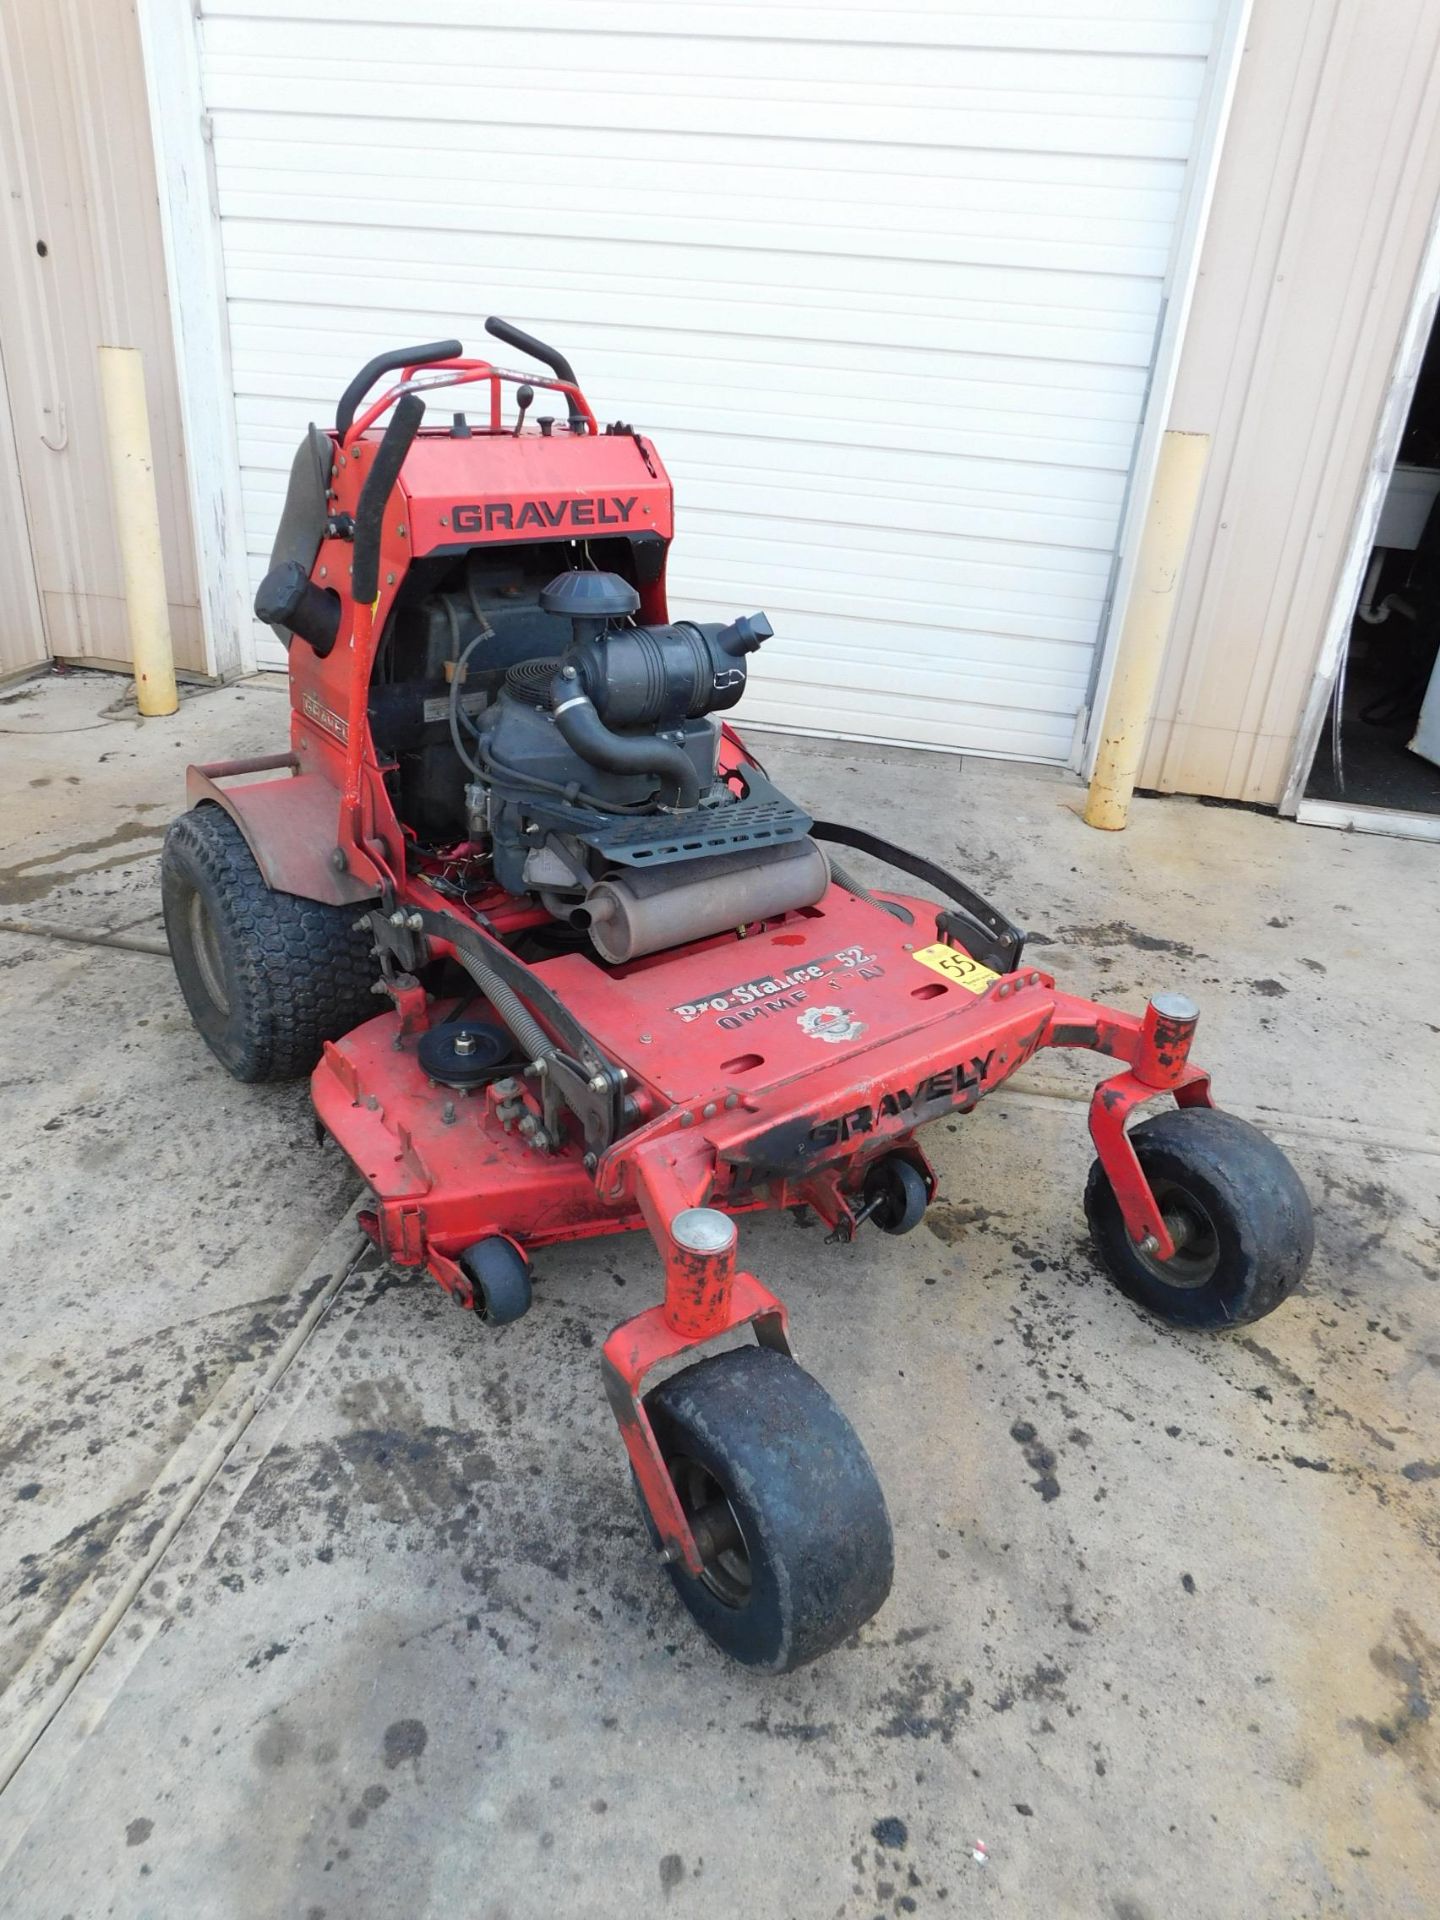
<point x="1390" y="430"/>
<point x="13" y="481"/>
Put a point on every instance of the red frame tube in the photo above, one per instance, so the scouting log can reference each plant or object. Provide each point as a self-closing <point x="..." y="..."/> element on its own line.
<point x="465" y="371"/>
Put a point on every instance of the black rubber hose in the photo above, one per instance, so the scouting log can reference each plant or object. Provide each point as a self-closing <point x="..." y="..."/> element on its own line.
<point x="379" y="484"/>
<point x="391" y="362"/>
<point x="1007" y="940"/>
<point x="547" y="356"/>
<point x="585" y="733"/>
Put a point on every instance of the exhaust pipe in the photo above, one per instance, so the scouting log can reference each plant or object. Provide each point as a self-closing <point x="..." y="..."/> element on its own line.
<point x="648" y="909"/>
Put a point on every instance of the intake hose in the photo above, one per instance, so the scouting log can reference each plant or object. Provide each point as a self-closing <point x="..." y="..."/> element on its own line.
<point x="585" y="733"/>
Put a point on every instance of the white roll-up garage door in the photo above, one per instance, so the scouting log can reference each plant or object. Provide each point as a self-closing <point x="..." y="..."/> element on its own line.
<point x="883" y="284"/>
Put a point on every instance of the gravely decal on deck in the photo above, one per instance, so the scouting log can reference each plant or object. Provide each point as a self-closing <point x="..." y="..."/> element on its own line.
<point x="799" y="1145"/>
<point x="958" y="1085"/>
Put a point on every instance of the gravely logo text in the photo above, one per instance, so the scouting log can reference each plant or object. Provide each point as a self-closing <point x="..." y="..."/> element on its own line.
<point x="315" y="709"/>
<point x="960" y="1084"/>
<point x="514" y="516"/>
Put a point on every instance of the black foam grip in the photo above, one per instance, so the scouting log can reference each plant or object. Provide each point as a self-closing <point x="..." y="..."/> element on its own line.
<point x="379" y="482"/>
<point x="391" y="362"/>
<point x="547" y="356"/>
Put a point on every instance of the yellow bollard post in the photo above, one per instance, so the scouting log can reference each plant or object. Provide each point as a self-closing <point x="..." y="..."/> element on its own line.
<point x="137" y="528"/>
<point x="1163" y="541"/>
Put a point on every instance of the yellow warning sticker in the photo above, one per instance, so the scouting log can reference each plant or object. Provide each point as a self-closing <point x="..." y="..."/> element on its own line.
<point x="956" y="966"/>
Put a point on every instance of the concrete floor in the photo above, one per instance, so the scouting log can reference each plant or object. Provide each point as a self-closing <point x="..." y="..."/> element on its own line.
<point x="319" y="1601"/>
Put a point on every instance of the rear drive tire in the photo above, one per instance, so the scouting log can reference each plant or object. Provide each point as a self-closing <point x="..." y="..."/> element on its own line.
<point x="796" y="1537"/>
<point x="268" y="977"/>
<point x="1233" y="1203"/>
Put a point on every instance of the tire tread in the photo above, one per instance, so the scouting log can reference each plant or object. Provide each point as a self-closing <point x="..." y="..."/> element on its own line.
<point x="1273" y="1231"/>
<point x="793" y="1460"/>
<point x="304" y="973"/>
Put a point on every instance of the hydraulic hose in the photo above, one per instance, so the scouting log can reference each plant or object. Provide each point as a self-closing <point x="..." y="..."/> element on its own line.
<point x="585" y="733"/>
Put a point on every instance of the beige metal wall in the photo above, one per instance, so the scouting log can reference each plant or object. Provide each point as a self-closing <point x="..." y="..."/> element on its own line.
<point x="77" y="175"/>
<point x="22" y="629"/>
<point x="1327" y="189"/>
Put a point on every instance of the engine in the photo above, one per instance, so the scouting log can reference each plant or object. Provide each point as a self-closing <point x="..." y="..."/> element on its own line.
<point x="529" y="715"/>
<point x="596" y="782"/>
<point x="529" y="731"/>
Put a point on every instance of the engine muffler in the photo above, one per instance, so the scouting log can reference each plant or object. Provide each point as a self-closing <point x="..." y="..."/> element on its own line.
<point x="635" y="912"/>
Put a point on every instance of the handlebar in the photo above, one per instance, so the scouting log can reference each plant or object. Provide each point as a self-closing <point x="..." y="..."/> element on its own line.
<point x="551" y="357"/>
<point x="379" y="484"/>
<point x="391" y="362"/>
<point x="448" y="356"/>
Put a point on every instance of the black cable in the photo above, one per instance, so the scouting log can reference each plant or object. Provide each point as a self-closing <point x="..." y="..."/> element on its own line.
<point x="487" y="632"/>
<point x="452" y="711"/>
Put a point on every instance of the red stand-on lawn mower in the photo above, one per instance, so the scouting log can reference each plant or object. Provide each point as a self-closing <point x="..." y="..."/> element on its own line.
<point x="627" y="986"/>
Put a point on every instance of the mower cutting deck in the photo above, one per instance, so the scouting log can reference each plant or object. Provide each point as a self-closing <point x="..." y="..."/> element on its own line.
<point x="628" y="988"/>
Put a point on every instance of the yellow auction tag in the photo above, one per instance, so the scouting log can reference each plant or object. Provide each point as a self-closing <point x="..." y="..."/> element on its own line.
<point x="956" y="966"/>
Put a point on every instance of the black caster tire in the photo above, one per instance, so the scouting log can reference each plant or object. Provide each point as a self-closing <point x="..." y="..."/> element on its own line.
<point x="795" y="1532"/>
<point x="500" y="1275"/>
<point x="1241" y="1219"/>
<point x="268" y="977"/>
<point x="900" y="1194"/>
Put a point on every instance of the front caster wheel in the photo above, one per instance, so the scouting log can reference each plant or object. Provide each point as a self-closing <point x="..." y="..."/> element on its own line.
<point x="1235" y="1208"/>
<point x="500" y="1275"/>
<point x="784" y="1504"/>
<point x="896" y="1195"/>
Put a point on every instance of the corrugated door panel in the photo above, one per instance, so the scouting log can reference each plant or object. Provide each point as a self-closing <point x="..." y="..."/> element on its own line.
<point x="883" y="285"/>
